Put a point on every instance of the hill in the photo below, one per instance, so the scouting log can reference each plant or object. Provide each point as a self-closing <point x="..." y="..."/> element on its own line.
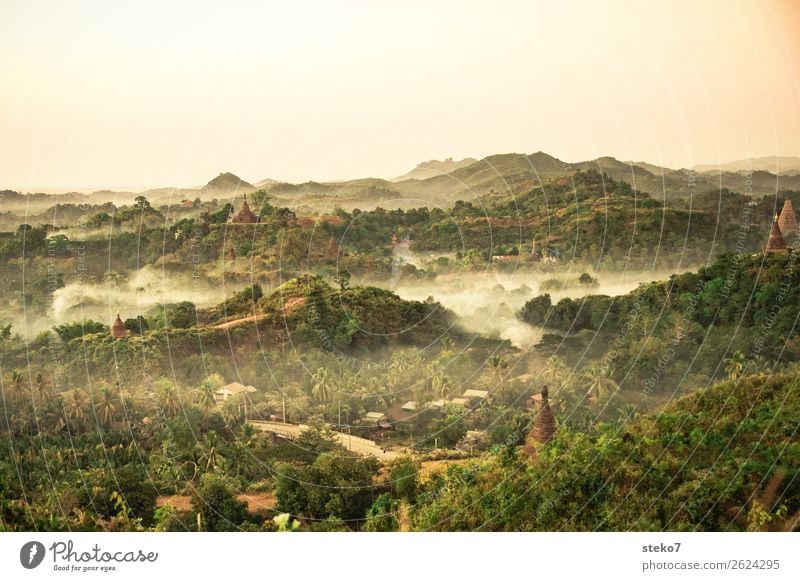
<point x="725" y="459"/>
<point x="776" y="165"/>
<point x="437" y="182"/>
<point x="433" y="168"/>
<point x="227" y="183"/>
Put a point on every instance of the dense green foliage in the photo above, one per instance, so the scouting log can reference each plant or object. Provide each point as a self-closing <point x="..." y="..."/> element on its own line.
<point x="681" y="333"/>
<point x="724" y="459"/>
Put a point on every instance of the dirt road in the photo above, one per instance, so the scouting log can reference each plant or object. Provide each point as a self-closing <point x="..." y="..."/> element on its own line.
<point x="353" y="443"/>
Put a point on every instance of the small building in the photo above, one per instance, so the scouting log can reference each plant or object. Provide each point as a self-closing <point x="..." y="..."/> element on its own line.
<point x="459" y="401"/>
<point x="245" y="215"/>
<point x="231" y="390"/>
<point x="776" y="243"/>
<point x="473" y="441"/>
<point x="118" y="330"/>
<point x="378" y="419"/>
<point x="505" y="258"/>
<point x="476" y="394"/>
<point x="788" y="220"/>
<point x="409" y="406"/>
<point x="374" y="417"/>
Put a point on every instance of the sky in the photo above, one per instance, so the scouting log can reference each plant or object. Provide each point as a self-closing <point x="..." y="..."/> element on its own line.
<point x="130" y="95"/>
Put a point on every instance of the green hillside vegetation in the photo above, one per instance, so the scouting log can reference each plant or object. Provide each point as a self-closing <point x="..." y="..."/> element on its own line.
<point x="737" y="316"/>
<point x="726" y="459"/>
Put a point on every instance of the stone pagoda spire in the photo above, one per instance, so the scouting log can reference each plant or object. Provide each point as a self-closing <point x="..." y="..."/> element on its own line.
<point x="788" y="220"/>
<point x="776" y="243"/>
<point x="245" y="215"/>
<point x="118" y="330"/>
<point x="544" y="424"/>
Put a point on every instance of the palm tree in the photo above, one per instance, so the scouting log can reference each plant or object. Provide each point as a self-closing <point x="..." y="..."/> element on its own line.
<point x="555" y="370"/>
<point x="16" y="386"/>
<point x="498" y="365"/>
<point x="107" y="406"/>
<point x="40" y="385"/>
<point x="210" y="455"/>
<point x="208" y="387"/>
<point x="75" y="406"/>
<point x="441" y="385"/>
<point x="232" y="412"/>
<point x="5" y="334"/>
<point x="627" y="412"/>
<point x="601" y="386"/>
<point x="447" y="343"/>
<point x="321" y="387"/>
<point x="734" y="365"/>
<point x="168" y="398"/>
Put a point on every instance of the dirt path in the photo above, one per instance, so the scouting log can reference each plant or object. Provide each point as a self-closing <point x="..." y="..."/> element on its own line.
<point x="257" y="502"/>
<point x="355" y="444"/>
<point x="240" y="322"/>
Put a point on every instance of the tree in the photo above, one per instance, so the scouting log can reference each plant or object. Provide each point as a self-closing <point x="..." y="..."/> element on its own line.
<point x="137" y="326"/>
<point x="107" y="406"/>
<point x="403" y="477"/>
<point x="217" y="506"/>
<point x="734" y="365"/>
<point x="334" y="485"/>
<point x="75" y="405"/>
<point x="40" y="385"/>
<point x="321" y="387"/>
<point x="555" y="370"/>
<point x="16" y="386"/>
<point x="141" y="203"/>
<point x="600" y="386"/>
<point x="498" y="365"/>
<point x="5" y="334"/>
<point x="210" y="456"/>
<point x="168" y="397"/>
<point x="70" y="331"/>
<point x="208" y="388"/>
<point x="342" y="278"/>
<point x="441" y="386"/>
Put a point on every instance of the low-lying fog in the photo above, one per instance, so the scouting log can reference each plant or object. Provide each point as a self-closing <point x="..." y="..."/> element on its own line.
<point x="130" y="297"/>
<point x="487" y="302"/>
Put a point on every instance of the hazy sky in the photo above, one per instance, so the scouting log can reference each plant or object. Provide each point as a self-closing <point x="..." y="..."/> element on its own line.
<point x="134" y="94"/>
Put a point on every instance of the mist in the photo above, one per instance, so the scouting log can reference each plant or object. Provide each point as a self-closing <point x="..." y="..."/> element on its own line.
<point x="132" y="296"/>
<point x="487" y="302"/>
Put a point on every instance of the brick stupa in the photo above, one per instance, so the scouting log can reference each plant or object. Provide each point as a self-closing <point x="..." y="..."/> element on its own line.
<point x="788" y="220"/>
<point x="118" y="330"/>
<point x="544" y="424"/>
<point x="245" y="215"/>
<point x="776" y="243"/>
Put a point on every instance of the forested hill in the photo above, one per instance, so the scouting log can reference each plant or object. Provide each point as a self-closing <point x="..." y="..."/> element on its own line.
<point x="739" y="315"/>
<point x="593" y="217"/>
<point x="726" y="459"/>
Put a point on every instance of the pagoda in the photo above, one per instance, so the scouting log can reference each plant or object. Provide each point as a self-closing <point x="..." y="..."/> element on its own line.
<point x="118" y="330"/>
<point x="544" y="424"/>
<point x="788" y="219"/>
<point x="776" y="243"/>
<point x="245" y="215"/>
